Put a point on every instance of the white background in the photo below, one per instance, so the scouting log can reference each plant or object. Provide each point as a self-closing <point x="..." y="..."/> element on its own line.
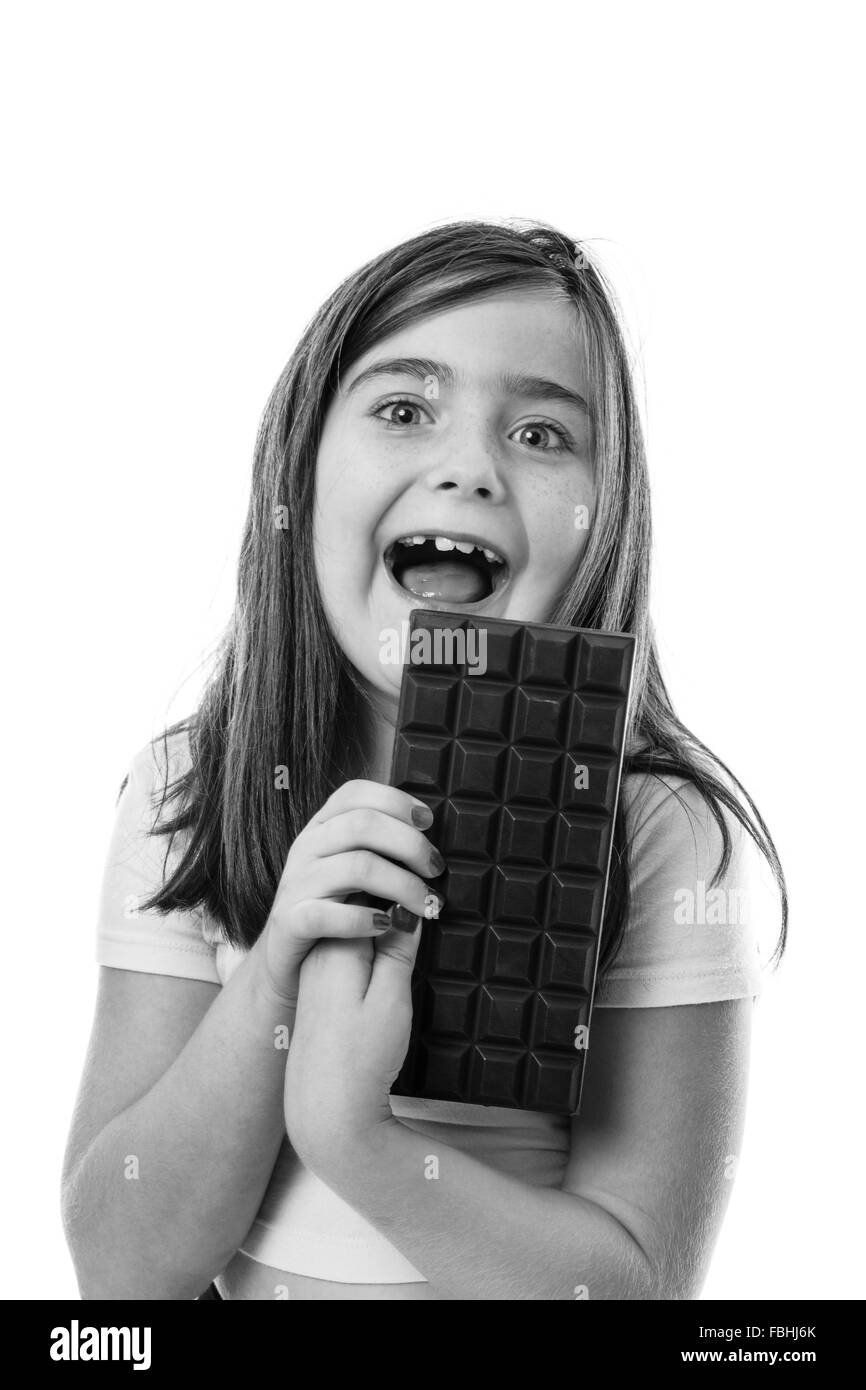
<point x="184" y="184"/>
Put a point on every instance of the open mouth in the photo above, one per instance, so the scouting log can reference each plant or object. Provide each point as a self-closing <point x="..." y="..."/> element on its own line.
<point x="445" y="568"/>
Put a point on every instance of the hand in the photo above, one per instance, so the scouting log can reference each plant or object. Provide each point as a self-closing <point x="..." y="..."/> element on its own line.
<point x="354" y="1017"/>
<point x="342" y="851"/>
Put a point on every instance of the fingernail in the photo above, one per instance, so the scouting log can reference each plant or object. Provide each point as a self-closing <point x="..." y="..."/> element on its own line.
<point x="437" y="863"/>
<point x="381" y="919"/>
<point x="422" y="816"/>
<point x="404" y="920"/>
<point x="433" y="906"/>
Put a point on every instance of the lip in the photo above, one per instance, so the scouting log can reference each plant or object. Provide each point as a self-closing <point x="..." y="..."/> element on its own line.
<point x="446" y="605"/>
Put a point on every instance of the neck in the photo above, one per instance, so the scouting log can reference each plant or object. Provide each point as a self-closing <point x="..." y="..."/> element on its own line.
<point x="379" y="718"/>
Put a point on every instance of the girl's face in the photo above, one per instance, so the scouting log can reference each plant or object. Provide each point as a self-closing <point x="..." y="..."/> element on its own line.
<point x="455" y="472"/>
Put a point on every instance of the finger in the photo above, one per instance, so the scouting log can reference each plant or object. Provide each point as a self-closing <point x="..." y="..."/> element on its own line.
<point x="320" y="917"/>
<point x="362" y="871"/>
<point x="393" y="962"/>
<point x="366" y="828"/>
<point x="377" y="796"/>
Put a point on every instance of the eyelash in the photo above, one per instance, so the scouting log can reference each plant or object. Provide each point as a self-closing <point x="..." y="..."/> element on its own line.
<point x="567" y="441"/>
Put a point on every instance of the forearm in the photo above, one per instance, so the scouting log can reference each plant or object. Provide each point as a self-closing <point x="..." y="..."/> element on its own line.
<point x="166" y="1192"/>
<point x="476" y="1233"/>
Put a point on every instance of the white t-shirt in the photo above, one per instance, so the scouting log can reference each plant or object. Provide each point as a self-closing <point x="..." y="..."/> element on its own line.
<point x="685" y="943"/>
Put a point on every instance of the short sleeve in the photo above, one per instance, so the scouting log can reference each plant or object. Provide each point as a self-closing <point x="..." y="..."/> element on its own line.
<point x="688" y="940"/>
<point x="127" y="936"/>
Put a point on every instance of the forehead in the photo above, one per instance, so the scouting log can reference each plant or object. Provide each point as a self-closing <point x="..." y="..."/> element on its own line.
<point x="537" y="333"/>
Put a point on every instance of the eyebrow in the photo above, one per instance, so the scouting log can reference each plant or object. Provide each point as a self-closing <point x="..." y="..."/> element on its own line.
<point x="513" y="383"/>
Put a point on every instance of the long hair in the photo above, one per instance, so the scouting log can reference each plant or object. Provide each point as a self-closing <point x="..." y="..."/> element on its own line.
<point x="283" y="694"/>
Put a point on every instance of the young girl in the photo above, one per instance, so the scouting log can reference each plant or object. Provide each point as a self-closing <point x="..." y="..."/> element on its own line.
<point x="456" y="430"/>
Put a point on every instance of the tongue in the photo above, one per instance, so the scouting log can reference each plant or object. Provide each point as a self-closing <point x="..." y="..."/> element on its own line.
<point x="446" y="579"/>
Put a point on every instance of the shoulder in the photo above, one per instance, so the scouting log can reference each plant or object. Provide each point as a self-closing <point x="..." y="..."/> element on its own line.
<point x="145" y="809"/>
<point x="671" y="826"/>
<point x="167" y="756"/>
<point x="699" y="919"/>
<point x="143" y="853"/>
<point x="154" y="769"/>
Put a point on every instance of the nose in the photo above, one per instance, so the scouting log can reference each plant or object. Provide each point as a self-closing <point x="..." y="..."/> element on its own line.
<point x="471" y="471"/>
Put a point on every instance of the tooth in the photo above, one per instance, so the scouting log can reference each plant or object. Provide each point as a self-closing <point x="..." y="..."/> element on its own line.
<point x="418" y="540"/>
<point x="465" y="547"/>
<point x="443" y="543"/>
<point x="490" y="554"/>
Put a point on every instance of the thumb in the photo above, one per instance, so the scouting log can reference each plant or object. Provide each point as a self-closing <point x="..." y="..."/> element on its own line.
<point x="394" y="961"/>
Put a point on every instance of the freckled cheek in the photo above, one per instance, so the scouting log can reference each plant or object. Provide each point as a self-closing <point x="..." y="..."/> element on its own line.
<point x="341" y="496"/>
<point x="560" y="519"/>
<point x="352" y="481"/>
<point x="335" y="480"/>
<point x="350" y="500"/>
<point x="578" y="513"/>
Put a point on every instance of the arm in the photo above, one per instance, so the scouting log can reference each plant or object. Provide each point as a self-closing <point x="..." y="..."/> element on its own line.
<point x="179" y="1119"/>
<point x="176" y="1130"/>
<point x="643" y="1194"/>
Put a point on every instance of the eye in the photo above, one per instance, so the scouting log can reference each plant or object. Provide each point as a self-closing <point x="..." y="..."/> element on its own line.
<point x="543" y="430"/>
<point x="403" y="407"/>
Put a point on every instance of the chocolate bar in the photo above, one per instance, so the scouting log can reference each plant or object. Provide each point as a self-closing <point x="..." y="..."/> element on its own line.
<point x="513" y="735"/>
